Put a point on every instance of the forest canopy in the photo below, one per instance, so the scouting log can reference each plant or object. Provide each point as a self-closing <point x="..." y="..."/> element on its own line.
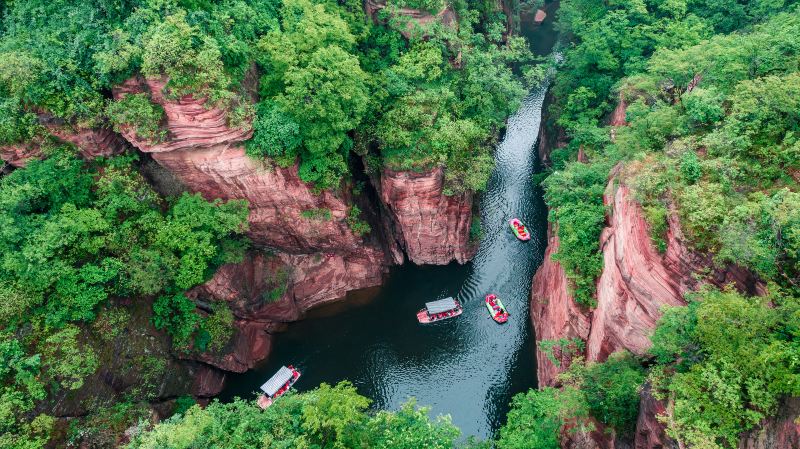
<point x="328" y="80"/>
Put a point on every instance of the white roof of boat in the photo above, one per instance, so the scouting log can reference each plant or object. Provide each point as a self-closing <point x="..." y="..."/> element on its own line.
<point x="275" y="382"/>
<point x="442" y="305"/>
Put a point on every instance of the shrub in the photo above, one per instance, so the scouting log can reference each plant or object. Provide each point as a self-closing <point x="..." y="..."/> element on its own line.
<point x="137" y="112"/>
<point x="357" y="225"/>
<point x="612" y="391"/>
<point x="219" y="326"/>
<point x="321" y="214"/>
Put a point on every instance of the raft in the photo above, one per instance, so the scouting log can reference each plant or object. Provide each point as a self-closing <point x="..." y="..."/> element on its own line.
<point x="439" y="310"/>
<point x="519" y="229"/>
<point x="277" y="385"/>
<point x="496" y="308"/>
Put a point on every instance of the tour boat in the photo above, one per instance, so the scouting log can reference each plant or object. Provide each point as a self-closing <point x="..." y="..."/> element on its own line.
<point x="519" y="229"/>
<point x="496" y="308"/>
<point x="439" y="310"/>
<point x="277" y="385"/>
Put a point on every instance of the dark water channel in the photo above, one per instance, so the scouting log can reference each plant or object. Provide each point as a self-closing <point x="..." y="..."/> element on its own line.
<point x="468" y="367"/>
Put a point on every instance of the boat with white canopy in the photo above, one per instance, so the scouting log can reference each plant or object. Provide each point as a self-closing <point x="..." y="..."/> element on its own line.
<point x="439" y="310"/>
<point x="277" y="385"/>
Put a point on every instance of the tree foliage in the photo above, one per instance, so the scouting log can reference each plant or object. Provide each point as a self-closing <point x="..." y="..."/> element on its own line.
<point x="327" y="417"/>
<point x="735" y="358"/>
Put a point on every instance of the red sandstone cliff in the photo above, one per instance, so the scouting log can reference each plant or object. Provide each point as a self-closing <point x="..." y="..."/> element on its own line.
<point x="555" y="315"/>
<point x="779" y="432"/>
<point x="320" y="259"/>
<point x="636" y="282"/>
<point x="263" y="292"/>
<point x="431" y="227"/>
<point x="90" y="142"/>
<point x="208" y="156"/>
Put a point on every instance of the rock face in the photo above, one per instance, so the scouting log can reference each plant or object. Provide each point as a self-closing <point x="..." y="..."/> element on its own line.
<point x="554" y="314"/>
<point x="431" y="227"/>
<point x="779" y="432"/>
<point x="91" y="142"/>
<point x="635" y="284"/>
<point x="319" y="258"/>
<point x="19" y="154"/>
<point x="208" y="157"/>
<point x="782" y="431"/>
<point x="264" y="292"/>
<point x="650" y="432"/>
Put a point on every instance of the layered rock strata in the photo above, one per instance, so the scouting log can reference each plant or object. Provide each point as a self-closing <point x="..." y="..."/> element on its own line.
<point x="208" y="156"/>
<point x="431" y="227"/>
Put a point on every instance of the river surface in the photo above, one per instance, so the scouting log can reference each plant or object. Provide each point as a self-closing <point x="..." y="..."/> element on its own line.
<point x="468" y="367"/>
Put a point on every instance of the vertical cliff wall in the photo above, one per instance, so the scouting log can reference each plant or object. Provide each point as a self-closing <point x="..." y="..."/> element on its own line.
<point x="555" y="314"/>
<point x="431" y="227"/>
<point x="318" y="259"/>
<point x="636" y="283"/>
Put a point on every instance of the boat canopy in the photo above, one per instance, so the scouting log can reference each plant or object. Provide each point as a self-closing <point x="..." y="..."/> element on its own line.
<point x="275" y="382"/>
<point x="442" y="305"/>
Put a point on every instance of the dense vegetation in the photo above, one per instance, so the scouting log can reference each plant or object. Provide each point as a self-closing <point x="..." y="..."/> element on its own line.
<point x="330" y="80"/>
<point x="712" y="90"/>
<point x="713" y="148"/>
<point x="74" y="236"/>
<point x="327" y="417"/>
<point x="712" y="117"/>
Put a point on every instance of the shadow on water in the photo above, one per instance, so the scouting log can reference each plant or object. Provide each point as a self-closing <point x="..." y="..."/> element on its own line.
<point x="468" y="367"/>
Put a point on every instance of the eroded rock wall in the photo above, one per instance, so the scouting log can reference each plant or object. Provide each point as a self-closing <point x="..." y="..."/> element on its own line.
<point x="431" y="227"/>
<point x="636" y="282"/>
<point x="266" y="291"/>
<point x="208" y="156"/>
<point x="316" y="257"/>
<point x="90" y="142"/>
<point x="554" y="314"/>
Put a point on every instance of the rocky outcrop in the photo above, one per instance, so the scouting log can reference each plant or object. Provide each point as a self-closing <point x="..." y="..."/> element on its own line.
<point x="618" y="117"/>
<point x="636" y="283"/>
<point x="318" y="279"/>
<point x="208" y="382"/>
<point x="90" y="142"/>
<point x="431" y="227"/>
<point x="318" y="257"/>
<point x="264" y="292"/>
<point x="781" y="431"/>
<point x="554" y="314"/>
<point x="19" y="154"/>
<point x="208" y="157"/>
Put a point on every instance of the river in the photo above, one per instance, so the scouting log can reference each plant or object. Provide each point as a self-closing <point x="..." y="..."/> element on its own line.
<point x="468" y="367"/>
